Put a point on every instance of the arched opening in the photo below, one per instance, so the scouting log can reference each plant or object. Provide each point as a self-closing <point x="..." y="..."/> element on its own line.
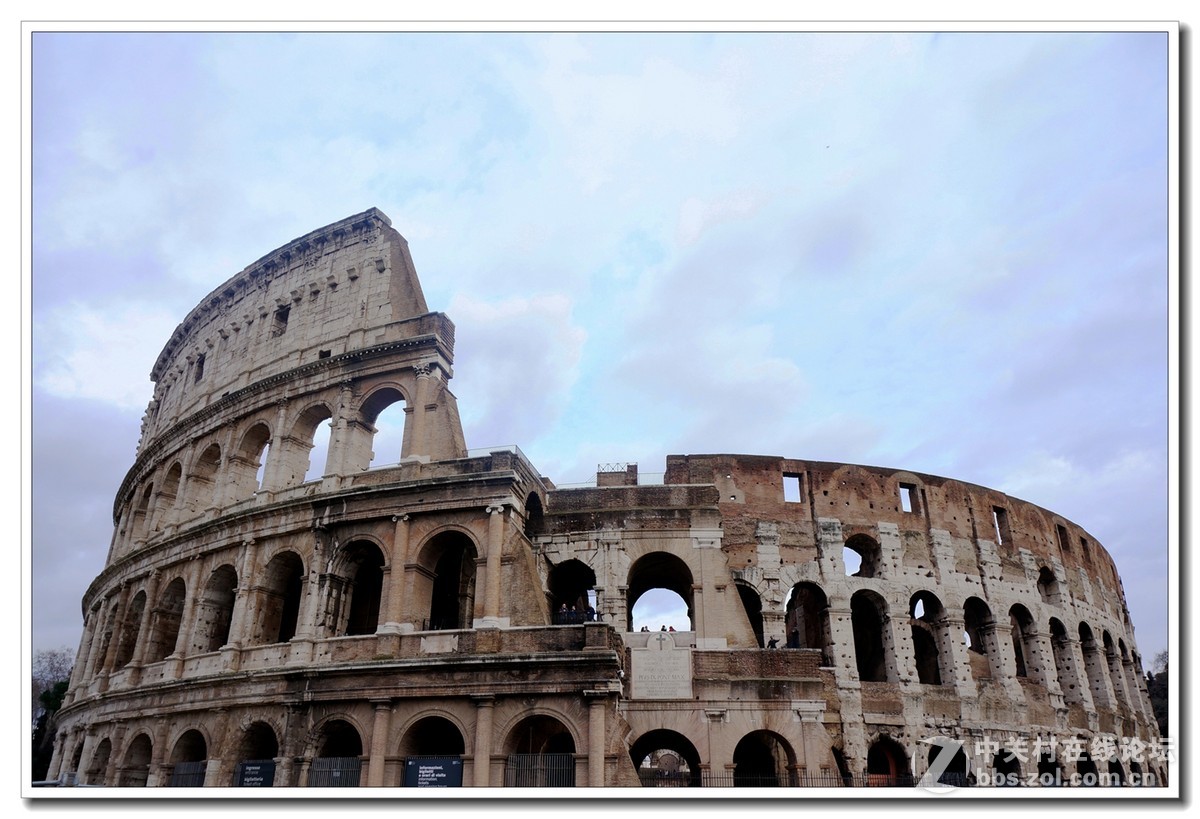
<point x="338" y="760"/>
<point x="279" y="599"/>
<point x="106" y="633"/>
<point x="1047" y="585"/>
<point x="862" y="556"/>
<point x="201" y="488"/>
<point x="1049" y="771"/>
<point x="446" y="583"/>
<point x="135" y="767"/>
<point x="1085" y="767"/>
<point x="955" y="774"/>
<point x="926" y="617"/>
<point x="130" y="625"/>
<point x="248" y="462"/>
<point x="356" y="590"/>
<point x="534" y="516"/>
<point x="72" y="772"/>
<point x="572" y="585"/>
<point x="214" y="610"/>
<point x="977" y="632"/>
<point x="310" y="437"/>
<point x="808" y="619"/>
<point x="1116" y="774"/>
<point x="168" y="495"/>
<point x="383" y="415"/>
<point x="98" y="764"/>
<point x="649" y="574"/>
<point x="868" y="613"/>
<point x="1006" y="769"/>
<point x="189" y="760"/>
<point x="141" y="526"/>
<point x="1094" y="665"/>
<point x="752" y="605"/>
<point x="541" y="754"/>
<point x="432" y="736"/>
<point x="166" y="621"/>
<point x="1021" y="622"/>
<point x="887" y="764"/>
<point x="762" y="759"/>
<point x="666" y="759"/>
<point x="256" y="753"/>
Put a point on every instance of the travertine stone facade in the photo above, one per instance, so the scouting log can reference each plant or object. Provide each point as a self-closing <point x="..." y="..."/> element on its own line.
<point x="266" y="620"/>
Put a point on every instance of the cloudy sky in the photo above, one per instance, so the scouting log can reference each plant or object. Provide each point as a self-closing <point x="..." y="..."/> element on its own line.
<point x="940" y="252"/>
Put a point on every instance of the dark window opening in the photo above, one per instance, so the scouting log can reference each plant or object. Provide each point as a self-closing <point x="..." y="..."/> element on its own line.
<point x="1064" y="540"/>
<point x="1000" y="520"/>
<point x="324" y="353"/>
<point x="199" y="370"/>
<point x="279" y="325"/>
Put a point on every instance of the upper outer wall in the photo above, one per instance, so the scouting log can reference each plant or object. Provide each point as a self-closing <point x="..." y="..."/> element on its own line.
<point x="333" y="290"/>
<point x="862" y="497"/>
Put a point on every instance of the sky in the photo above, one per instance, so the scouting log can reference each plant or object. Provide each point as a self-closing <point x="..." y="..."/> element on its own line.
<point x="941" y="252"/>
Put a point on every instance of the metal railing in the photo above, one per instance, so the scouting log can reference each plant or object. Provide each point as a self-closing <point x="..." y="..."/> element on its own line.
<point x="188" y="774"/>
<point x="539" y="771"/>
<point x="335" y="772"/>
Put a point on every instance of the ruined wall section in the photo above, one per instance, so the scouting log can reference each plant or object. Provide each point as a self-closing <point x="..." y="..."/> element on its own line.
<point x="342" y="287"/>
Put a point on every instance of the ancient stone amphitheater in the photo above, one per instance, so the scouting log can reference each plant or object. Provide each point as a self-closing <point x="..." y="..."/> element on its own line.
<point x="444" y="616"/>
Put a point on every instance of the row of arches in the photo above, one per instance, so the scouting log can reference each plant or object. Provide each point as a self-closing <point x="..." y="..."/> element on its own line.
<point x="266" y="454"/>
<point x="539" y="750"/>
<point x="159" y="620"/>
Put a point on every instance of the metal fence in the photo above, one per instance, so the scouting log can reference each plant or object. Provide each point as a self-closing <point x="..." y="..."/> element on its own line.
<point x="539" y="771"/>
<point x="335" y="772"/>
<point x="188" y="774"/>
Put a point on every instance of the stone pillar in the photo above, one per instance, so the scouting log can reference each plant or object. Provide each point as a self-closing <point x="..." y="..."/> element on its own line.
<point x="953" y="657"/>
<point x="1041" y="666"/>
<point x="1074" y="661"/>
<point x="395" y="598"/>
<point x="114" y="756"/>
<point x="829" y="550"/>
<point x="841" y="635"/>
<point x="898" y="655"/>
<point x="310" y="612"/>
<point x="597" y="700"/>
<point x="419" y="446"/>
<point x="1097" y="674"/>
<point x="111" y="654"/>
<point x="495" y="549"/>
<point x="484" y="705"/>
<point x="240" y="622"/>
<point x="82" y="656"/>
<point x="85" y="756"/>
<point x="143" y="635"/>
<point x="997" y="641"/>
<point x="160" y="765"/>
<point x="379" y="742"/>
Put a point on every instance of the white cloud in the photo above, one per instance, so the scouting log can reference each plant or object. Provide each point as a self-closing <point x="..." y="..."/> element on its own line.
<point x="102" y="354"/>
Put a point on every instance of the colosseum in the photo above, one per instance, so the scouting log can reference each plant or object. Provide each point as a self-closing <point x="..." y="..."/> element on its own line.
<point x="443" y="616"/>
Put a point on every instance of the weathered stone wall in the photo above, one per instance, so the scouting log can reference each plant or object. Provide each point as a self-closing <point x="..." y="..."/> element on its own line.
<point x="419" y="606"/>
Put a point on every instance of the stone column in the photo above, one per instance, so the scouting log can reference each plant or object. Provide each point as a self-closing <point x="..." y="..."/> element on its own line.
<point x="240" y="621"/>
<point x="143" y="635"/>
<point x="419" y="445"/>
<point x="82" y="656"/>
<point x="306" y="625"/>
<point x="955" y="662"/>
<point x="114" y="756"/>
<point x="1074" y="661"/>
<point x="1097" y="674"/>
<point x="997" y="641"/>
<point x="495" y="549"/>
<point x="597" y="700"/>
<point x="160" y="765"/>
<point x="395" y="599"/>
<point x="111" y="654"/>
<point x="484" y="705"/>
<point x="379" y="742"/>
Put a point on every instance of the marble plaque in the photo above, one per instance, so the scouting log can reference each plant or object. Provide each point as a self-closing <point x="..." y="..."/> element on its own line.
<point x="661" y="671"/>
